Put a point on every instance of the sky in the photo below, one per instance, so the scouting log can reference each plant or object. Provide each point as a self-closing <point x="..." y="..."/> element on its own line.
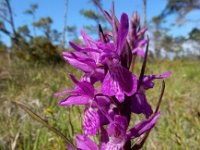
<point x="55" y="9"/>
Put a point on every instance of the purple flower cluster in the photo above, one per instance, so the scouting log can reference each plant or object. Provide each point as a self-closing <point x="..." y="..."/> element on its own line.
<point x="108" y="109"/>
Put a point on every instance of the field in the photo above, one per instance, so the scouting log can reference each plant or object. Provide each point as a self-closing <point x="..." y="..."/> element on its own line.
<point x="34" y="85"/>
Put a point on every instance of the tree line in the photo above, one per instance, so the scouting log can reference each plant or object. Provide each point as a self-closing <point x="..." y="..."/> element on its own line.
<point x="27" y="44"/>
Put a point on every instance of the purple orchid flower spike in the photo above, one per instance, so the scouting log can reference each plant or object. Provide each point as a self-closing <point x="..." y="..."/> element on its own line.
<point x="136" y="36"/>
<point x="118" y="80"/>
<point x="108" y="108"/>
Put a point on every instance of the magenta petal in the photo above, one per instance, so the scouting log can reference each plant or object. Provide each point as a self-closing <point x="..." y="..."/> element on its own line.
<point x="143" y="127"/>
<point x="141" y="43"/>
<point x="97" y="75"/>
<point x="119" y="81"/>
<point x="122" y="33"/>
<point x="65" y="92"/>
<point x="86" y="88"/>
<point x="85" y="143"/>
<point x="91" y="122"/>
<point x="89" y="42"/>
<point x="83" y="49"/>
<point x="130" y="84"/>
<point x="164" y="75"/>
<point x="103" y="138"/>
<point x="140" y="105"/>
<point x="102" y="119"/>
<point x="115" y="144"/>
<point x="148" y="80"/>
<point x="121" y="121"/>
<point x="83" y="87"/>
<point x="138" y="51"/>
<point x="80" y="60"/>
<point x="69" y="147"/>
<point x="111" y="87"/>
<point x="118" y="126"/>
<point x="74" y="100"/>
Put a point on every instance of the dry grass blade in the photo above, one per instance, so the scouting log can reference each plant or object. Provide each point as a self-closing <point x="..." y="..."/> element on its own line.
<point x="44" y="122"/>
<point x="13" y="146"/>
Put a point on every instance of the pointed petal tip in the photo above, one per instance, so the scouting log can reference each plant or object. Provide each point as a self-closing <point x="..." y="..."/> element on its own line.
<point x="167" y="74"/>
<point x="61" y="103"/>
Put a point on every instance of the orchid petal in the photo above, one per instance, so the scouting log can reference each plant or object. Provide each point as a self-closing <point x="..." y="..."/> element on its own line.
<point x="80" y="61"/>
<point x="148" y="80"/>
<point x="119" y="81"/>
<point x="122" y="33"/>
<point x="65" y="92"/>
<point x="104" y="136"/>
<point x="74" y="100"/>
<point x="83" y="49"/>
<point x="83" y="88"/>
<point x="143" y="127"/>
<point x="89" y="42"/>
<point x="85" y="143"/>
<point x="118" y="127"/>
<point x="91" y="122"/>
<point x="138" y="51"/>
<point x="69" y="147"/>
<point x="140" y="105"/>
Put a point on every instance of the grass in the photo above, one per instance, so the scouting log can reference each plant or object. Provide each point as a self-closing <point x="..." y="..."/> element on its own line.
<point x="34" y="85"/>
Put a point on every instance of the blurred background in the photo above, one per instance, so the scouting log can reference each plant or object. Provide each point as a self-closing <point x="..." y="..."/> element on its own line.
<point x="33" y="34"/>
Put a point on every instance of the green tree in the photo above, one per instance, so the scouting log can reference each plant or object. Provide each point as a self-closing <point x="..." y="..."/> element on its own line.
<point x="95" y="16"/>
<point x="32" y="11"/>
<point x="24" y="31"/>
<point x="158" y="33"/>
<point x="181" y="8"/>
<point x="6" y="18"/>
<point x="195" y="35"/>
<point x="44" y="24"/>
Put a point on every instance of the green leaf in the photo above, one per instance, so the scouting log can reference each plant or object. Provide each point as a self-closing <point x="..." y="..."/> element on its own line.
<point x="44" y="122"/>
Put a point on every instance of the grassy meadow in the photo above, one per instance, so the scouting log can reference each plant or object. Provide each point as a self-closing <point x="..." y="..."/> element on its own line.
<point x="34" y="85"/>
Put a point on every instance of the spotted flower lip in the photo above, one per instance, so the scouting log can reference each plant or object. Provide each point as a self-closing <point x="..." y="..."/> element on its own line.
<point x="118" y="82"/>
<point x="91" y="122"/>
